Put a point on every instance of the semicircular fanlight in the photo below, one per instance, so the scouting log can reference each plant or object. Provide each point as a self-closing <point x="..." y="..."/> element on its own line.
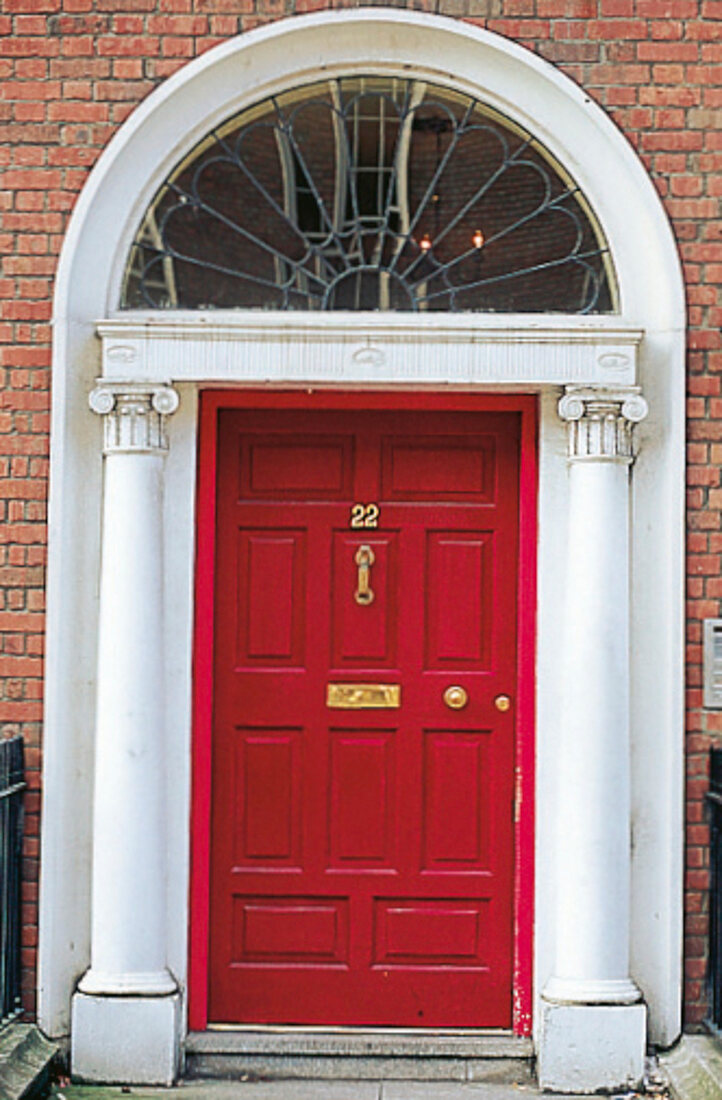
<point x="370" y="193"/>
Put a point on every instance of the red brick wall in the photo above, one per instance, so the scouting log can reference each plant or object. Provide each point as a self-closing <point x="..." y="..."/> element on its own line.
<point x="72" y="71"/>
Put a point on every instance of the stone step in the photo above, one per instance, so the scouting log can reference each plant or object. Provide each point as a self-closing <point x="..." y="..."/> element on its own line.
<point x="694" y="1068"/>
<point x="358" y="1054"/>
<point x="26" y="1058"/>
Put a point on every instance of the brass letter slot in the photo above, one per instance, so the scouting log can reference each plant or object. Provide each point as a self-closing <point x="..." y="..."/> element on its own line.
<point x="363" y="696"/>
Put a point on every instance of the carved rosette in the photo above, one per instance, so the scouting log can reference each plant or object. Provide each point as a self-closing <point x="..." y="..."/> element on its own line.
<point x="134" y="416"/>
<point x="600" y="422"/>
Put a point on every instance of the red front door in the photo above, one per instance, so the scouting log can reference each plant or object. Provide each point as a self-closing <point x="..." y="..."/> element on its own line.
<point x="362" y="856"/>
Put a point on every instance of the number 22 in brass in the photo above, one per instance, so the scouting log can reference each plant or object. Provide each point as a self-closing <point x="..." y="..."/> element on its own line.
<point x="364" y="515"/>
<point x="364" y="559"/>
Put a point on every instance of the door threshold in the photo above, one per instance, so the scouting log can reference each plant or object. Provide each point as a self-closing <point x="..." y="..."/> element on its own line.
<point x="254" y="1052"/>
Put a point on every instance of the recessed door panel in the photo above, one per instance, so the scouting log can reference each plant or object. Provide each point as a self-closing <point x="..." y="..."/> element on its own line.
<point x="362" y="815"/>
<point x="278" y="467"/>
<point x="270" y="597"/>
<point x="266" y="797"/>
<point x="362" y="798"/>
<point x="458" y="794"/>
<point x="364" y="633"/>
<point x="430" y="933"/>
<point x="438" y="468"/>
<point x="459" y="598"/>
<point x="293" y="929"/>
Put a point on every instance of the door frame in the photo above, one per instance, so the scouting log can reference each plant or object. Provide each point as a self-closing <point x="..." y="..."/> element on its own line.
<point x="211" y="402"/>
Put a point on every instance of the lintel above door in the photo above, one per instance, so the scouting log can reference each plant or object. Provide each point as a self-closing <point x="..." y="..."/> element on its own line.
<point x="525" y="351"/>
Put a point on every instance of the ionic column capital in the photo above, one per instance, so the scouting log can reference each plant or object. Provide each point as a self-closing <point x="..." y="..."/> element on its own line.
<point x="134" y="415"/>
<point x="600" y="422"/>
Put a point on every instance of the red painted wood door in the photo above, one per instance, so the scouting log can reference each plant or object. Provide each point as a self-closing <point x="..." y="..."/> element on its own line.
<point x="362" y="859"/>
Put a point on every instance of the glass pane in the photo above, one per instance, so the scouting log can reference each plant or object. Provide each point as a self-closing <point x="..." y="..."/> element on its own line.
<point x="370" y="193"/>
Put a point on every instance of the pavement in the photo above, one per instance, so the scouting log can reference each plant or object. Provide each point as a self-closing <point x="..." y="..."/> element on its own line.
<point x="323" y="1090"/>
<point x="691" y="1070"/>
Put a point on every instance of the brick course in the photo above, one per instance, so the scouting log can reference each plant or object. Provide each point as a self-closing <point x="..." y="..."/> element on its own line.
<point x="72" y="70"/>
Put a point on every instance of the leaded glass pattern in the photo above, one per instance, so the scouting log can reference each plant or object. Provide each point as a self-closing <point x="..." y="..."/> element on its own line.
<point x="370" y="193"/>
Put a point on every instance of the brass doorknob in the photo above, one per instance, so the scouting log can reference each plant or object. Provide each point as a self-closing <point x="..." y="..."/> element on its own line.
<point x="502" y="702"/>
<point x="456" y="697"/>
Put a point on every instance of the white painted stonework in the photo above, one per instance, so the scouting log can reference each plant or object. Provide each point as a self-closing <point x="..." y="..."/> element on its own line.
<point x="110" y="1034"/>
<point x="114" y="908"/>
<point x="387" y="349"/>
<point x="128" y="900"/>
<point x="568" y="1062"/>
<point x="592" y="912"/>
<point x="128" y="881"/>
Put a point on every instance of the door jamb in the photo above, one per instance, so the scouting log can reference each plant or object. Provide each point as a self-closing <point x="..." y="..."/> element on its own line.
<point x="211" y="402"/>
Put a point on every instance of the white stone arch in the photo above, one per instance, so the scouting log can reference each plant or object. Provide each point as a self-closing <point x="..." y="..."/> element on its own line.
<point x="585" y="141"/>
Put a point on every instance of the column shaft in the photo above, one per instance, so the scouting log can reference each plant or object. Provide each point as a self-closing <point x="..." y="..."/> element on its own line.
<point x="592" y="1033"/>
<point x="592" y="927"/>
<point x="128" y="922"/>
<point x="126" y="1013"/>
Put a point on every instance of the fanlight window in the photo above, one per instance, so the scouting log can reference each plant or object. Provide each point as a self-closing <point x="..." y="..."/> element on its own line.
<point x="370" y="193"/>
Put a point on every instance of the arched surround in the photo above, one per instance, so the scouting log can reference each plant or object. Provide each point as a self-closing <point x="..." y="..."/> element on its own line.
<point x="164" y="127"/>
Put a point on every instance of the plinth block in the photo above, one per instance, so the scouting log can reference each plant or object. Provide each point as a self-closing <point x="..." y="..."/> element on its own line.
<point x="126" y="1040"/>
<point x="589" y="1048"/>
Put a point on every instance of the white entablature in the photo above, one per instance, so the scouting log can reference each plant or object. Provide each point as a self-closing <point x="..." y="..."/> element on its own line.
<point x="525" y="350"/>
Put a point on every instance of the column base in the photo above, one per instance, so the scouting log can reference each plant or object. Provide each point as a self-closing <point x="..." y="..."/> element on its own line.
<point x="126" y="1040"/>
<point x="590" y="1048"/>
<point x="583" y="991"/>
<point x="106" y="983"/>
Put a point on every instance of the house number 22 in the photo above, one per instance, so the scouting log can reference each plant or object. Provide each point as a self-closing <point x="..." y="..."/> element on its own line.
<point x="364" y="515"/>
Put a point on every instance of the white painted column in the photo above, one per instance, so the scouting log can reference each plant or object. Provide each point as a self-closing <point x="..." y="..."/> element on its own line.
<point x="594" y="1024"/>
<point x="126" y="1010"/>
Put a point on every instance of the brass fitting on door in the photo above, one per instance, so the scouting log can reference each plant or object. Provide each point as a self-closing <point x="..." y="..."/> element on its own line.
<point x="456" y="697"/>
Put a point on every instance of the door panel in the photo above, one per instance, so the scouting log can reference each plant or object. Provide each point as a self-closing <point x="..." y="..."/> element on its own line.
<point x="266" y="798"/>
<point x="459" y="599"/>
<point x="362" y="817"/>
<point x="457" y="799"/>
<point x="271" y="608"/>
<point x="364" y="634"/>
<point x="362" y="859"/>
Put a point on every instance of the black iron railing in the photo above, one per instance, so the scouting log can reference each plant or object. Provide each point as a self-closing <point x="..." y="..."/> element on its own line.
<point x="12" y="785"/>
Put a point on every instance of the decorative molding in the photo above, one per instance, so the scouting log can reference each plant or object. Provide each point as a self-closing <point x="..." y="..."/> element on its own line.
<point x="591" y="991"/>
<point x="600" y="422"/>
<point x="151" y="983"/>
<point x="256" y="346"/>
<point x="121" y="353"/>
<point x="133" y="415"/>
